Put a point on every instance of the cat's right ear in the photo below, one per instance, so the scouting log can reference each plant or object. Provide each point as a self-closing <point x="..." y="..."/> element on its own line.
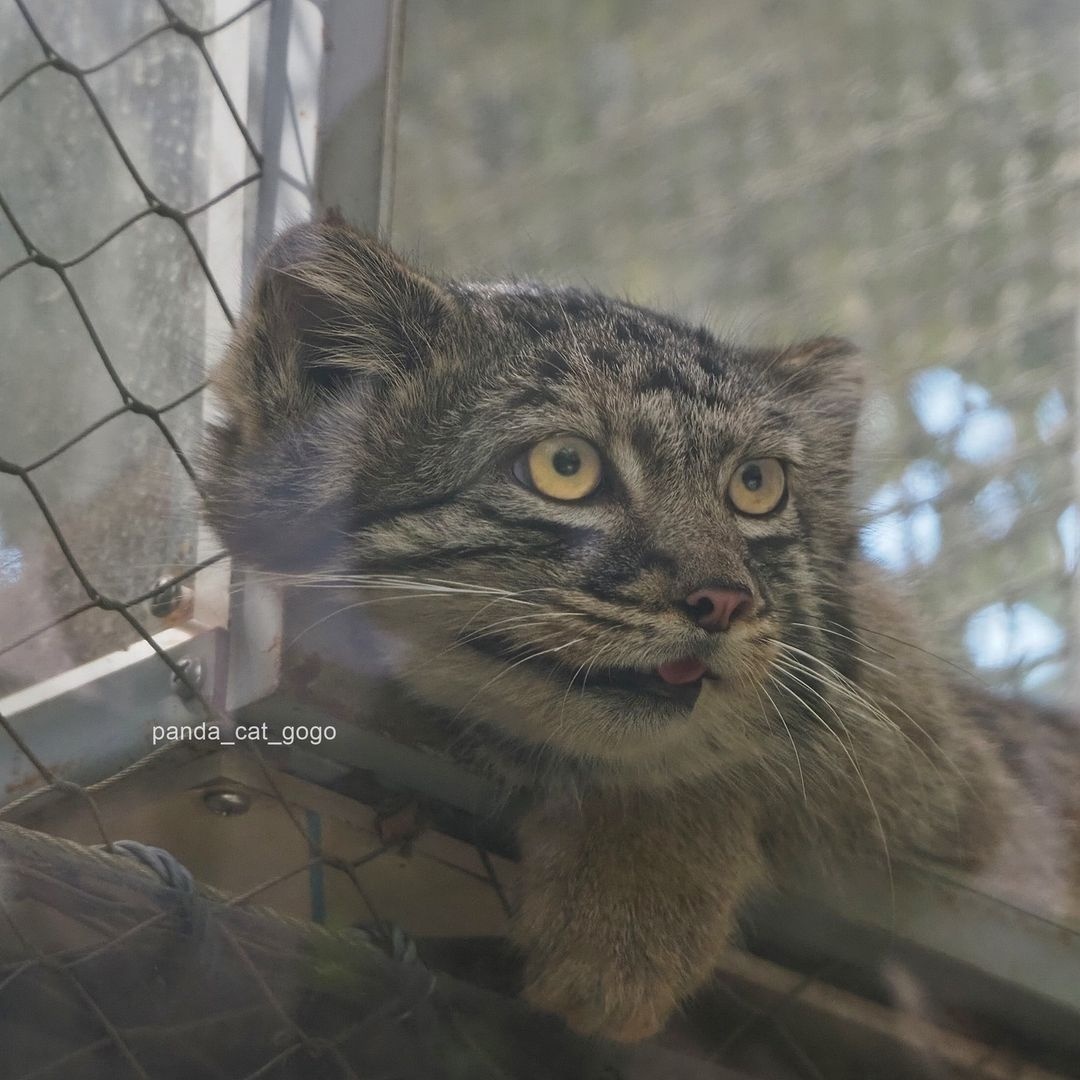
<point x="826" y="373"/>
<point x="333" y="317"/>
<point x="329" y="305"/>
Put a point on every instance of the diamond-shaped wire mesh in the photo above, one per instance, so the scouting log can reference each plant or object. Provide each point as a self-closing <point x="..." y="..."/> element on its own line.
<point x="87" y="291"/>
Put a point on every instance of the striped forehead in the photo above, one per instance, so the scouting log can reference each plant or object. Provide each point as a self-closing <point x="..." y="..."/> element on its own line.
<point x="655" y="430"/>
<point x="653" y="393"/>
<point x="662" y="440"/>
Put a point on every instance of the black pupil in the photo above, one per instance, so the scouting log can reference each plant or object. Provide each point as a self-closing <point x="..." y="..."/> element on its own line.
<point x="566" y="461"/>
<point x="752" y="478"/>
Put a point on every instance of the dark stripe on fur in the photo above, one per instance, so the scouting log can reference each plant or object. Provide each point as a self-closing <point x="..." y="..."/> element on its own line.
<point x="362" y="521"/>
<point x="436" y="557"/>
<point x="763" y="546"/>
<point x="569" y="535"/>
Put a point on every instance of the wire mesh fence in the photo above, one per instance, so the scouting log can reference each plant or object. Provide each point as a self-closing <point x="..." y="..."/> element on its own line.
<point x="132" y="440"/>
<point x="979" y="447"/>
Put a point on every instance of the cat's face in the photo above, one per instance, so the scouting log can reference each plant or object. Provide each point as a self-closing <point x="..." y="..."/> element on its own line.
<point x="590" y="508"/>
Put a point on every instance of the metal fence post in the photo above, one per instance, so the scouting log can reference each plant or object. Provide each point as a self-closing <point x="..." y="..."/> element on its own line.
<point x="358" y="109"/>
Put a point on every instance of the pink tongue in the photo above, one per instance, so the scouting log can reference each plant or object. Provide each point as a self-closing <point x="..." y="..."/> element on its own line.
<point x="681" y="671"/>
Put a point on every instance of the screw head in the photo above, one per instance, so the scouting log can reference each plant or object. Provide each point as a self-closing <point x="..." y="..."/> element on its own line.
<point x="167" y="600"/>
<point x="226" y="803"/>
<point x="193" y="672"/>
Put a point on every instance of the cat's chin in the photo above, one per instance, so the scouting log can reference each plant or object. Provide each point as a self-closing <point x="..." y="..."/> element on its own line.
<point x="624" y="727"/>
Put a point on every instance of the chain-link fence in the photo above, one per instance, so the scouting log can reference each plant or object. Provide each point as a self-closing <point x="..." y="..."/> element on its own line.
<point x="923" y="200"/>
<point x="108" y="297"/>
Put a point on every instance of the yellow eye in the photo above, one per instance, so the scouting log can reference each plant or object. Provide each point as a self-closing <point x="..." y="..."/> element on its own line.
<point x="757" y="486"/>
<point x="563" y="467"/>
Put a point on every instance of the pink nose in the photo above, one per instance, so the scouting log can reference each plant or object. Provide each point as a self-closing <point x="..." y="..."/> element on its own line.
<point x="717" y="609"/>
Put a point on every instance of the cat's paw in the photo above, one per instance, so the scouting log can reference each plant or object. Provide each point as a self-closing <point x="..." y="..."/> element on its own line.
<point x="600" y="1000"/>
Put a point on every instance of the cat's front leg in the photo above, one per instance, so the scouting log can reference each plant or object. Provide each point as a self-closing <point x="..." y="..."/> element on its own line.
<point x="628" y="899"/>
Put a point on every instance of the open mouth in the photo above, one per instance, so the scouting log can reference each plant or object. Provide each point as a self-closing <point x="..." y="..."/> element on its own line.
<point x="676" y="680"/>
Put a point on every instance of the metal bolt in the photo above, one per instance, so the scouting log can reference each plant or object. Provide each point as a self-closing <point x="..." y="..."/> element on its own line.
<point x="193" y="673"/>
<point x="226" y="803"/>
<point x="168" y="599"/>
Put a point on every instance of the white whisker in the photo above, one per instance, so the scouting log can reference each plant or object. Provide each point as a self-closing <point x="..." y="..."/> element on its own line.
<point x="791" y="739"/>
<point x="858" y="772"/>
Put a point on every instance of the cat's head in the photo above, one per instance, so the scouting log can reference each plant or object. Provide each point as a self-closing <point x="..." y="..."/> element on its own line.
<point x="589" y="506"/>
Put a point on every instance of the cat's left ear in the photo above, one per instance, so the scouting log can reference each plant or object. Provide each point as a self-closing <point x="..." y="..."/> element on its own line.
<point x="826" y="372"/>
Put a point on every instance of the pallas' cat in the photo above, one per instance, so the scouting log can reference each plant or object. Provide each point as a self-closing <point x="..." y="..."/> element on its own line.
<point x="626" y="565"/>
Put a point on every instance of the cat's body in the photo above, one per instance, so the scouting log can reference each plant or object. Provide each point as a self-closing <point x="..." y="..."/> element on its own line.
<point x="695" y="670"/>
